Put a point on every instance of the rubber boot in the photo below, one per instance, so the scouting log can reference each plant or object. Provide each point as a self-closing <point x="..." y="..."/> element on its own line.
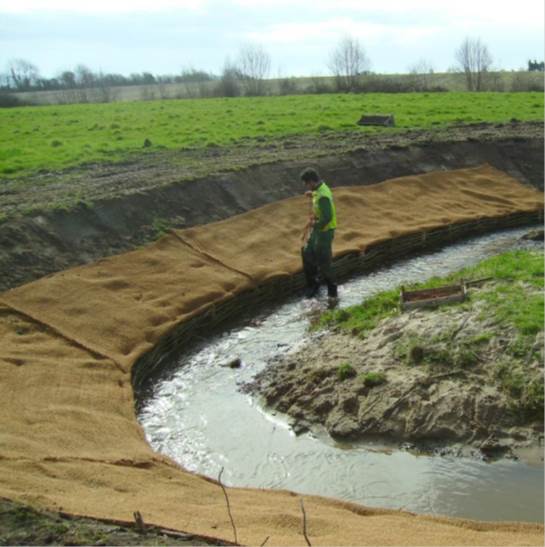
<point x="312" y="290"/>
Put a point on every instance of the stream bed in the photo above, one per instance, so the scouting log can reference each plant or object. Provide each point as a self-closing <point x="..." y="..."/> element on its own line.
<point x="197" y="415"/>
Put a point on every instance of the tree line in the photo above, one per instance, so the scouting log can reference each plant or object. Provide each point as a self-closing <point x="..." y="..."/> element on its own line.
<point x="348" y="63"/>
<point x="22" y="75"/>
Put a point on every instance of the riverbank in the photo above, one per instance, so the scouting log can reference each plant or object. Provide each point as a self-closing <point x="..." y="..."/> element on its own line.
<point x="463" y="379"/>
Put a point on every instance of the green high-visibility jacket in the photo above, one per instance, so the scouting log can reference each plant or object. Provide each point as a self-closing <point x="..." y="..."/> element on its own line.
<point x="321" y="192"/>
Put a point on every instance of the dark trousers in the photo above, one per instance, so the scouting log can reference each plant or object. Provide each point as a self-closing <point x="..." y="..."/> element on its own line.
<point x="317" y="255"/>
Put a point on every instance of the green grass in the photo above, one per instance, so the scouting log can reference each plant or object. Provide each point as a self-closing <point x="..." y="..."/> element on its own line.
<point x="372" y="379"/>
<point x="56" y="137"/>
<point x="509" y="301"/>
<point x="364" y="317"/>
<point x="161" y="226"/>
<point x="345" y="371"/>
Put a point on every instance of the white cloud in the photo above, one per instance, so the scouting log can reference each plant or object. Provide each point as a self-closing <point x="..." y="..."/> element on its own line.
<point x="330" y="30"/>
<point x="521" y="12"/>
<point x="99" y="6"/>
<point x="471" y="12"/>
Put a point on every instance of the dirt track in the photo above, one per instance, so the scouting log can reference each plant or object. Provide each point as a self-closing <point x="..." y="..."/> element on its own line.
<point x="58" y="220"/>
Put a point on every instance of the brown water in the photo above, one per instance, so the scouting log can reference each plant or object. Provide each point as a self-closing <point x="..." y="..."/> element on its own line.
<point x="199" y="417"/>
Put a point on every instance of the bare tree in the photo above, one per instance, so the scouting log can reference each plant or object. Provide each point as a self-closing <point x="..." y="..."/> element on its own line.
<point x="348" y="62"/>
<point x="4" y="80"/>
<point x="474" y="60"/>
<point x="254" y="64"/>
<point x="67" y="79"/>
<point x="23" y="74"/>
<point x="85" y="81"/>
<point x="421" y="72"/>
<point x="84" y="76"/>
<point x="104" y="91"/>
<point x="229" y="82"/>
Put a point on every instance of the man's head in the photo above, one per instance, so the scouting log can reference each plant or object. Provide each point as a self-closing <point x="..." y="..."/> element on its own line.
<point x="311" y="178"/>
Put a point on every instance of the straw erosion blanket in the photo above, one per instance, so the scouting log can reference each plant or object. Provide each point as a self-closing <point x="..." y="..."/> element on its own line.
<point x="69" y="436"/>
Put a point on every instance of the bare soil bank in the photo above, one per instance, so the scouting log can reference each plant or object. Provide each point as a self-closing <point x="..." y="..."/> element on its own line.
<point x="53" y="221"/>
<point x="428" y="380"/>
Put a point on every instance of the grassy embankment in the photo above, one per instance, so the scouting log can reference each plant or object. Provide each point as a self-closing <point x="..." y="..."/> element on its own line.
<point x="50" y="138"/>
<point x="514" y="298"/>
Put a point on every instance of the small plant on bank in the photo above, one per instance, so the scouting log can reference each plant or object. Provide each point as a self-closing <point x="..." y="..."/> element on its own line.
<point x="161" y="226"/>
<point x="525" y="391"/>
<point x="411" y="351"/>
<point x="438" y="352"/>
<point x="523" y="348"/>
<point x="532" y="398"/>
<point x="439" y="356"/>
<point x="345" y="371"/>
<point x="415" y="354"/>
<point x="372" y="379"/>
<point x="466" y="357"/>
<point x="481" y="339"/>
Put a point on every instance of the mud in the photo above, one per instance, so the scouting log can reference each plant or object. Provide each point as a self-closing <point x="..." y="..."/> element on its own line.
<point x="424" y="380"/>
<point x="52" y="221"/>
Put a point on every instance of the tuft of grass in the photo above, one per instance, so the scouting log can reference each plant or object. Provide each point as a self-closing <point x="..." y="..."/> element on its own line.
<point x="345" y="371"/>
<point x="526" y="391"/>
<point x="372" y="379"/>
<point x="411" y="350"/>
<point x="481" y="339"/>
<point x="465" y="356"/>
<point x="161" y="226"/>
<point x="416" y="351"/>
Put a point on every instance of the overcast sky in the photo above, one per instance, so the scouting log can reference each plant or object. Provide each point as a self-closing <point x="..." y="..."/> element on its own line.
<point x="165" y="36"/>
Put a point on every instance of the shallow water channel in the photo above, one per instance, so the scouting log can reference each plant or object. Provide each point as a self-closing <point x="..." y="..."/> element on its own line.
<point x="198" y="416"/>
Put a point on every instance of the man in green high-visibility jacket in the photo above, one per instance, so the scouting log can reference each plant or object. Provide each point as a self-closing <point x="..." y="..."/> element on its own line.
<point x="318" y="237"/>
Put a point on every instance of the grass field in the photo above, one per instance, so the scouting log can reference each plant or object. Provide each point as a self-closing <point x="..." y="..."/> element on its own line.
<point x="47" y="138"/>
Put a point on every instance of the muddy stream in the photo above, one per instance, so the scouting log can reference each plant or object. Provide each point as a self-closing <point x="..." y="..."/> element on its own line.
<point x="197" y="415"/>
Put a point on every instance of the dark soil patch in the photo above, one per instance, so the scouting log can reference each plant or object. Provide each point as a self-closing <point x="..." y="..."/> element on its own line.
<point x="24" y="525"/>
